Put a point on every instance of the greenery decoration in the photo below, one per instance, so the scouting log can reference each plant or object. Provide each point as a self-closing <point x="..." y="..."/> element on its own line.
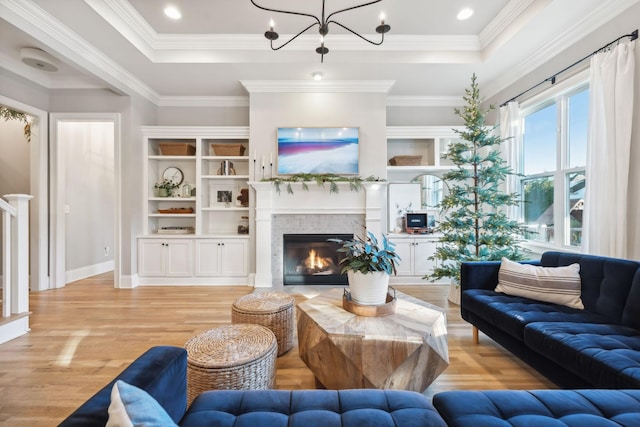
<point x="367" y="255"/>
<point x="9" y="114"/>
<point x="355" y="182"/>
<point x="474" y="225"/>
<point x="167" y="184"/>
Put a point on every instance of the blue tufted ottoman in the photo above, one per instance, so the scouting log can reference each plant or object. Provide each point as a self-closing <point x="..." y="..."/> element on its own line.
<point x="539" y="408"/>
<point x="304" y="408"/>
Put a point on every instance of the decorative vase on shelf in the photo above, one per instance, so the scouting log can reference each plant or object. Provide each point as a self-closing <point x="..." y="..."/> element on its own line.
<point x="162" y="192"/>
<point x="368" y="288"/>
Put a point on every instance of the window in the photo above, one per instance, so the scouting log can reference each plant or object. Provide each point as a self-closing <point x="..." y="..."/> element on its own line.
<point x="553" y="164"/>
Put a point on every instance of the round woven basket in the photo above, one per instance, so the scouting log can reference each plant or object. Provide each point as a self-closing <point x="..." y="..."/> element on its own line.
<point x="231" y="357"/>
<point x="271" y="309"/>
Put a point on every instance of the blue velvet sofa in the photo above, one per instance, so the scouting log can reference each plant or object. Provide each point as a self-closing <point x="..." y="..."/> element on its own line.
<point x="161" y="372"/>
<point x="598" y="347"/>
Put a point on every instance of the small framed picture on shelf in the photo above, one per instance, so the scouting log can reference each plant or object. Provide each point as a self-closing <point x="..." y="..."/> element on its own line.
<point x="222" y="195"/>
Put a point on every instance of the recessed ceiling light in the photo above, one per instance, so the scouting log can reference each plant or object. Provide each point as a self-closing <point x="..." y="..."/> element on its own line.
<point x="317" y="76"/>
<point x="172" y="12"/>
<point x="465" y="13"/>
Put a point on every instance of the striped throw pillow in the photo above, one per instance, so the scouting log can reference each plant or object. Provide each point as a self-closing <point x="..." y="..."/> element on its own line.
<point x="559" y="285"/>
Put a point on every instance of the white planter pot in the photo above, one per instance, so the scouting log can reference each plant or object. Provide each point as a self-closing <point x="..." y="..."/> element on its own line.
<point x="370" y="288"/>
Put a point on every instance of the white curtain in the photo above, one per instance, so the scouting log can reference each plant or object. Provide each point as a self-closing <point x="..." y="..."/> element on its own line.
<point x="607" y="197"/>
<point x="511" y="130"/>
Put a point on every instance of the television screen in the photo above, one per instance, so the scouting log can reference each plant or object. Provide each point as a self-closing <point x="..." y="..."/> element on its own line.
<point x="318" y="150"/>
<point x="416" y="220"/>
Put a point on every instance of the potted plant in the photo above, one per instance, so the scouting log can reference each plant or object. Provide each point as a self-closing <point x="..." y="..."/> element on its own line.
<point x="165" y="188"/>
<point x="368" y="264"/>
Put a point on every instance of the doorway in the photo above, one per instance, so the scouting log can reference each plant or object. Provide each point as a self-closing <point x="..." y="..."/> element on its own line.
<point x="38" y="188"/>
<point x="85" y="194"/>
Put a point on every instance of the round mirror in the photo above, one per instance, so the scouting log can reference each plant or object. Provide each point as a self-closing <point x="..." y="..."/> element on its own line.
<point x="431" y="190"/>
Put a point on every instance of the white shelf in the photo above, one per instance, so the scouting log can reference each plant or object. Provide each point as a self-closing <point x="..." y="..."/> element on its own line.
<point x="223" y="177"/>
<point x="220" y="158"/>
<point x="160" y="157"/>
<point x="231" y="208"/>
<point x="171" y="215"/>
<point x="172" y="199"/>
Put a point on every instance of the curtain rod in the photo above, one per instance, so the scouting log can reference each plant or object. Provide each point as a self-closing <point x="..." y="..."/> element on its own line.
<point x="632" y="36"/>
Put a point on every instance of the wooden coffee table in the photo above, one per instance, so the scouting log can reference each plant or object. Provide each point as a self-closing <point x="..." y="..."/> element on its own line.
<point x="405" y="350"/>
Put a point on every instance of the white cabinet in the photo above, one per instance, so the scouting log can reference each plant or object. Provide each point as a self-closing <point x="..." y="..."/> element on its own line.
<point x="221" y="257"/>
<point x="414" y="252"/>
<point x="165" y="257"/>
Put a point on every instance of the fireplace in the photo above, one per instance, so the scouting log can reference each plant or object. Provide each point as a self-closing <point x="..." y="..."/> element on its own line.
<point x="310" y="259"/>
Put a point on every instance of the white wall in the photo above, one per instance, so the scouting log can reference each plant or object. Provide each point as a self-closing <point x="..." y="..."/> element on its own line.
<point x="134" y="112"/>
<point x="268" y="111"/>
<point x="88" y="149"/>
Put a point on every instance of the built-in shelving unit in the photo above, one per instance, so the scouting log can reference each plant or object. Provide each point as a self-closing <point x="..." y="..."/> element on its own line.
<point x="207" y="240"/>
<point x="426" y="141"/>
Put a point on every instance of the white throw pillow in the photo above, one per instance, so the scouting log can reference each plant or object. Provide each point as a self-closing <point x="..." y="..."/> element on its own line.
<point x="559" y="285"/>
<point x="131" y="406"/>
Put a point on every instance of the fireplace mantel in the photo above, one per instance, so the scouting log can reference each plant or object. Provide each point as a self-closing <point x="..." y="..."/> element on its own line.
<point x="317" y="200"/>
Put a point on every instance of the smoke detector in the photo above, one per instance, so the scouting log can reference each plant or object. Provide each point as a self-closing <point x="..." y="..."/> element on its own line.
<point x="38" y="58"/>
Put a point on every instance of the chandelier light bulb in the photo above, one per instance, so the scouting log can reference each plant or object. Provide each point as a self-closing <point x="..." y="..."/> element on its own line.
<point x="317" y="76"/>
<point x="382" y="18"/>
<point x="271" y="25"/>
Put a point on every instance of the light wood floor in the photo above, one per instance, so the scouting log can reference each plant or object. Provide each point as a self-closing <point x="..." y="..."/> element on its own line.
<point x="86" y="333"/>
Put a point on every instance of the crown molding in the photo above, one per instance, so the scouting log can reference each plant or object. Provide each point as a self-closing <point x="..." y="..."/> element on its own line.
<point x="501" y="22"/>
<point x="598" y="16"/>
<point x="326" y="86"/>
<point x="424" y="101"/>
<point x="410" y="132"/>
<point x="35" y="21"/>
<point x="203" y="101"/>
<point x="221" y="132"/>
<point x="127" y="21"/>
<point x="337" y="42"/>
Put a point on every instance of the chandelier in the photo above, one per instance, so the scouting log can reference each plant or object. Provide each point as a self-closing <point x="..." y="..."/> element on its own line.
<point x="323" y="27"/>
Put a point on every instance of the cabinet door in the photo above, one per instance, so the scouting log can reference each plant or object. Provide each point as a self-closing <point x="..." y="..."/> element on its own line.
<point x="423" y="249"/>
<point x="151" y="257"/>
<point x="179" y="258"/>
<point x="404" y="249"/>
<point x="234" y="257"/>
<point x="208" y="258"/>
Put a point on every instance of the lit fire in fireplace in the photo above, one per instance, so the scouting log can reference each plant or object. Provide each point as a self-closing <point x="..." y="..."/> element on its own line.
<point x="316" y="264"/>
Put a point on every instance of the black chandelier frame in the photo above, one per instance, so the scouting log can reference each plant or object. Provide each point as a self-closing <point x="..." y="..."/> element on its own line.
<point x="323" y="26"/>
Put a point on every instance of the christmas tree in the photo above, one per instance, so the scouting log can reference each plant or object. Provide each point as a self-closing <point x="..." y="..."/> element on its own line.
<point x="474" y="224"/>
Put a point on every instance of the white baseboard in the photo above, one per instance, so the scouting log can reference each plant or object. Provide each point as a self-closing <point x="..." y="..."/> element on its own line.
<point x="129" y="282"/>
<point x="88" y="271"/>
<point x="14" y="329"/>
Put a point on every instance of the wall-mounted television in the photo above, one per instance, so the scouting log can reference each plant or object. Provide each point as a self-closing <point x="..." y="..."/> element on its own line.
<point x="318" y="150"/>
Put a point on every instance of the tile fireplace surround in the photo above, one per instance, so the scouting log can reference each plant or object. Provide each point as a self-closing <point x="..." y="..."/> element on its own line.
<point x="313" y="211"/>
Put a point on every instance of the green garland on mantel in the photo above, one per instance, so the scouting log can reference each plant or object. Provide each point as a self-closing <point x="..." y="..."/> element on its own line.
<point x="9" y="114"/>
<point x="355" y="182"/>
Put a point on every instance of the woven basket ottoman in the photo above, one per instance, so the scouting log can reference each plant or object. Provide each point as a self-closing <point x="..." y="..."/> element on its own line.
<point x="271" y="309"/>
<point x="231" y="357"/>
